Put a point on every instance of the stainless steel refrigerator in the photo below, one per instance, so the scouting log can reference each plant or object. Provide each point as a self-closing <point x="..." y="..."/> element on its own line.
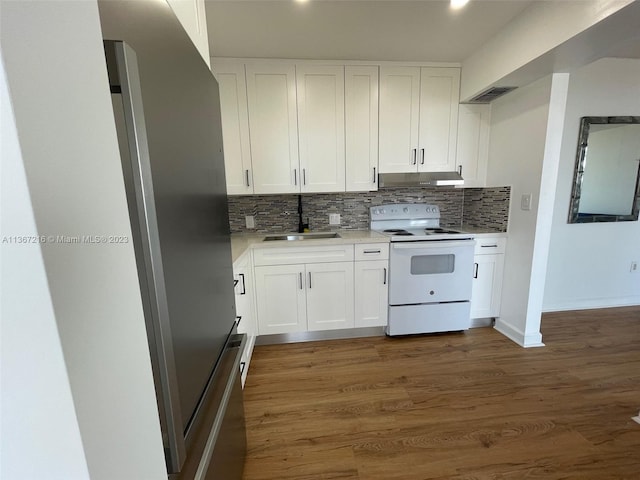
<point x="167" y="111"/>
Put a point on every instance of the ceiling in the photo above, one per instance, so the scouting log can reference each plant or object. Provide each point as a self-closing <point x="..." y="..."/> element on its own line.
<point x="418" y="30"/>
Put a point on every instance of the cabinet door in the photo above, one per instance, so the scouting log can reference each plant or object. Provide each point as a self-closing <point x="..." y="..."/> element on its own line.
<point x="192" y="16"/>
<point x="329" y="296"/>
<point x="245" y="309"/>
<point x="399" y="116"/>
<point x="235" y="127"/>
<point x="280" y="299"/>
<point x="487" y="286"/>
<point x="320" y="92"/>
<point x="472" y="152"/>
<point x="361" y="128"/>
<point x="439" y="96"/>
<point x="273" y="125"/>
<point x="371" y="293"/>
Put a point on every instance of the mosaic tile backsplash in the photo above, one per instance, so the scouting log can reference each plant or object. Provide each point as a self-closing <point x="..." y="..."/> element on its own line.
<point x="475" y="207"/>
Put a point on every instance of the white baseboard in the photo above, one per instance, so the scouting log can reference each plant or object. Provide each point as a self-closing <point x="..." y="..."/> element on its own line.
<point x="518" y="336"/>
<point x="592" y="303"/>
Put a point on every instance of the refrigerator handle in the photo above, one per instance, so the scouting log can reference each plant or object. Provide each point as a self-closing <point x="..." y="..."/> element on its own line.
<point x="140" y="197"/>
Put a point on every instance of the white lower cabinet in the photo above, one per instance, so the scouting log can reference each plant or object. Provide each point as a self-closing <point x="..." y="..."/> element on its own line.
<point x="487" y="277"/>
<point x="371" y="285"/>
<point x="245" y="308"/>
<point x="301" y="289"/>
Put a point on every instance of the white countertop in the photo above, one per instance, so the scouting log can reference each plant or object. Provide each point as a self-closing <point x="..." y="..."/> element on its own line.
<point x="243" y="242"/>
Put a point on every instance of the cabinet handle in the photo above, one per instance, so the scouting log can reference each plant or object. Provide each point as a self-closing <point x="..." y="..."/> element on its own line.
<point x="374" y="175"/>
<point x="300" y="274"/>
<point x="244" y="287"/>
<point x="371" y="251"/>
<point x="415" y="156"/>
<point x="235" y="283"/>
<point x="246" y="172"/>
<point x="422" y="156"/>
<point x="495" y="245"/>
<point x="242" y="365"/>
<point x="309" y="280"/>
<point x="295" y="176"/>
<point x="384" y="281"/>
<point x="475" y="270"/>
<point x="238" y="320"/>
<point x="304" y="176"/>
<point x="460" y="170"/>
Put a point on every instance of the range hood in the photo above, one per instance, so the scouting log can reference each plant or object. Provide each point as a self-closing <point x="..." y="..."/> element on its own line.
<point x="420" y="179"/>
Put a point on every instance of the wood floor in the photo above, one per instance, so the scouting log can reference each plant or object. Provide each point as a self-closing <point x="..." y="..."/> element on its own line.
<point x="455" y="406"/>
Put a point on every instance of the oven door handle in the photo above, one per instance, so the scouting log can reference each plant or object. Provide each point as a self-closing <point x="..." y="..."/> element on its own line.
<point x="427" y="245"/>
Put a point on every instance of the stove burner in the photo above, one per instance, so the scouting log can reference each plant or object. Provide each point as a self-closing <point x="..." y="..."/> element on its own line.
<point x="395" y="230"/>
<point x="404" y="233"/>
<point x="429" y="231"/>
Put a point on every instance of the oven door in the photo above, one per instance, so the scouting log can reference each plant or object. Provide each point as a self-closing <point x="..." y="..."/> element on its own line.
<point x="430" y="272"/>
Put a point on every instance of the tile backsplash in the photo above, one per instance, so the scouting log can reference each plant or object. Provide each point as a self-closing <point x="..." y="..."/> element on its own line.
<point x="475" y="207"/>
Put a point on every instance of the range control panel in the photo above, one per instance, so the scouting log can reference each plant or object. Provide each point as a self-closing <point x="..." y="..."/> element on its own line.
<point x="404" y="211"/>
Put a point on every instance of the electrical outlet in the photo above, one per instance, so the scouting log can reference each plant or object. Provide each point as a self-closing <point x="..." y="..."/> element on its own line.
<point x="250" y="221"/>
<point x="634" y="267"/>
<point x="525" y="202"/>
<point x="334" y="219"/>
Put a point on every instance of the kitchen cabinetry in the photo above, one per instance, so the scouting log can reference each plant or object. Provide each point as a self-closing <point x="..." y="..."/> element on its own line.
<point x="304" y="288"/>
<point x="191" y="14"/>
<point x="371" y="286"/>
<point x="418" y="118"/>
<point x="487" y="277"/>
<point x="273" y="124"/>
<point x="245" y="308"/>
<point x="472" y="152"/>
<point x="320" y="93"/>
<point x="361" y="128"/>
<point x="235" y="126"/>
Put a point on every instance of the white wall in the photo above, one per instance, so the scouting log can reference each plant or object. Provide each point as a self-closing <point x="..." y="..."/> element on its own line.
<point x="54" y="62"/>
<point x="37" y="406"/>
<point x="539" y="29"/>
<point x="524" y="153"/>
<point x="589" y="263"/>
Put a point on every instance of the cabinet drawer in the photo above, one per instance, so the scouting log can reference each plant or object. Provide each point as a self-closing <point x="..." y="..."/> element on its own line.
<point x="490" y="245"/>
<point x="290" y="256"/>
<point x="372" y="251"/>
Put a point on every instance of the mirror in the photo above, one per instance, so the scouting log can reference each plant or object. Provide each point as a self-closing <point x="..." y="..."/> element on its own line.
<point x="606" y="184"/>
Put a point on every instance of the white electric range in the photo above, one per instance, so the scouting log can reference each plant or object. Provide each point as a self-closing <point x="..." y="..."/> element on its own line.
<point x="430" y="269"/>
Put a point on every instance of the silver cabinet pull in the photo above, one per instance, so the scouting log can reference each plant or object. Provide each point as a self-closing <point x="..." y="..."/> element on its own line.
<point x="460" y="170"/>
<point x="495" y="245"/>
<point x="371" y="251"/>
<point x="475" y="270"/>
<point x="415" y="156"/>
<point x="295" y="176"/>
<point x="246" y="172"/>
<point x="300" y="274"/>
<point x="384" y="281"/>
<point x="304" y="176"/>
<point x="422" y="156"/>
<point x="374" y="175"/>
<point x="309" y="280"/>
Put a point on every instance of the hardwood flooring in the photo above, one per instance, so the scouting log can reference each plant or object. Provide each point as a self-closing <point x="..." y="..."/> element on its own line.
<point x="458" y="406"/>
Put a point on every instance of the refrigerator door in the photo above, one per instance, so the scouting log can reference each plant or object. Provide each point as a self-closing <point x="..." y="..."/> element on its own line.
<point x="136" y="169"/>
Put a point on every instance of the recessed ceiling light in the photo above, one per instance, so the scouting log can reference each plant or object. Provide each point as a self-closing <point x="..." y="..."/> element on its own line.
<point x="456" y="4"/>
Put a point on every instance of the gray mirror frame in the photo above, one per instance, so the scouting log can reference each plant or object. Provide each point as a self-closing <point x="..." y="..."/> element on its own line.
<point x="583" y="136"/>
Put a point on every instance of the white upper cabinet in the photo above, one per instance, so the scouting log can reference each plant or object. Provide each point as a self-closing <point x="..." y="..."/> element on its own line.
<point x="418" y="118"/>
<point x="399" y="116"/>
<point x="361" y="128"/>
<point x="273" y="124"/>
<point x="473" y="143"/>
<point x="320" y="94"/>
<point x="235" y="127"/>
<point x="192" y="16"/>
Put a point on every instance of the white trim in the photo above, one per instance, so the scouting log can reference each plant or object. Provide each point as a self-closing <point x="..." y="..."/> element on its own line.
<point x="517" y="336"/>
<point x="290" y="61"/>
<point x="592" y="303"/>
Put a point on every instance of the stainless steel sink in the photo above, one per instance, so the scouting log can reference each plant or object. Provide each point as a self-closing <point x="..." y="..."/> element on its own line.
<point x="301" y="236"/>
